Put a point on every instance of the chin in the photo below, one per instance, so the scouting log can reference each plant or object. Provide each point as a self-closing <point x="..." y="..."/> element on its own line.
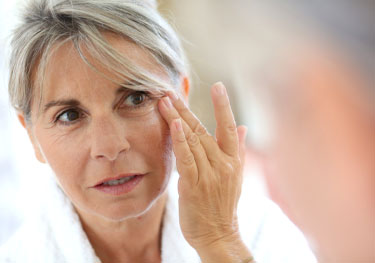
<point x="132" y="208"/>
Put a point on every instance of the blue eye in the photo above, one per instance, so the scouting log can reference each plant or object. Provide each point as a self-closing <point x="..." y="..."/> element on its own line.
<point x="68" y="116"/>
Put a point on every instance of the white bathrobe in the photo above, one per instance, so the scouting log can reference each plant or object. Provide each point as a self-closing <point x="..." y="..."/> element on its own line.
<point x="53" y="234"/>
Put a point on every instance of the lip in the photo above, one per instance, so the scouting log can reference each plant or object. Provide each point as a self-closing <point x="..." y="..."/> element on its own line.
<point x="116" y="178"/>
<point x="120" y="188"/>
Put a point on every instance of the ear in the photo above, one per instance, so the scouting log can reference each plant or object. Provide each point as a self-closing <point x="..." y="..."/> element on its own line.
<point x="185" y="88"/>
<point x="27" y="126"/>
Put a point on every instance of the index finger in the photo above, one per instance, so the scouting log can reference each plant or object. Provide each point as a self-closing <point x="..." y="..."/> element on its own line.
<point x="208" y="142"/>
<point x="226" y="130"/>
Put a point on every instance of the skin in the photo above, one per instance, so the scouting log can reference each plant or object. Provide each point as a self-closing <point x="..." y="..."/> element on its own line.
<point x="319" y="164"/>
<point x="106" y="135"/>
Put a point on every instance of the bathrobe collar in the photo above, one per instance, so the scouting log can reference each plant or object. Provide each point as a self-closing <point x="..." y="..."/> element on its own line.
<point x="53" y="233"/>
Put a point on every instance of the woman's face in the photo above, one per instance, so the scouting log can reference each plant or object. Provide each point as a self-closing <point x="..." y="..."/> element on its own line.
<point x="90" y="130"/>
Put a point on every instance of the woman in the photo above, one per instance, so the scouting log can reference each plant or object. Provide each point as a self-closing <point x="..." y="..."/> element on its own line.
<point x="100" y="88"/>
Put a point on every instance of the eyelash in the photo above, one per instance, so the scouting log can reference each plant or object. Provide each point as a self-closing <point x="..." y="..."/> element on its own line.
<point x="147" y="98"/>
<point x="68" y="123"/>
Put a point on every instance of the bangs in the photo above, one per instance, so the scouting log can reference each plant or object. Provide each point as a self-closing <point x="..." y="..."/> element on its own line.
<point x="95" y="47"/>
<point x="46" y="25"/>
<point x="95" y="50"/>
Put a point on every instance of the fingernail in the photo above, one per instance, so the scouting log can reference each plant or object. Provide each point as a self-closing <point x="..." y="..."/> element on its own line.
<point x="167" y="102"/>
<point x="173" y="96"/>
<point x="219" y="88"/>
<point x="178" y="125"/>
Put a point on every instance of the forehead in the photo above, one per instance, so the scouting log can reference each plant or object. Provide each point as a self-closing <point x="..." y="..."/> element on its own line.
<point x="66" y="69"/>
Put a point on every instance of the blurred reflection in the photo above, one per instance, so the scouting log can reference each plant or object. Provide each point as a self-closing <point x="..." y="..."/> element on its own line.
<point x="307" y="69"/>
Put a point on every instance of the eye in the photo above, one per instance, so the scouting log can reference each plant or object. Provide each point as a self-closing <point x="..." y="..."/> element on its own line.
<point x="68" y="116"/>
<point x="135" y="99"/>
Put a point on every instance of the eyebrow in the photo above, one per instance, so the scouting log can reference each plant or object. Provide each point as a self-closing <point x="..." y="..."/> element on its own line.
<point x="76" y="103"/>
<point x="66" y="102"/>
<point x="122" y="89"/>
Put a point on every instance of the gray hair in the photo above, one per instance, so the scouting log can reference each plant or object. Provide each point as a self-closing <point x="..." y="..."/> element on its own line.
<point x="47" y="24"/>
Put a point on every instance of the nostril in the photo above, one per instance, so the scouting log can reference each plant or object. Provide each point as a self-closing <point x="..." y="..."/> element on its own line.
<point x="107" y="140"/>
<point x="109" y="157"/>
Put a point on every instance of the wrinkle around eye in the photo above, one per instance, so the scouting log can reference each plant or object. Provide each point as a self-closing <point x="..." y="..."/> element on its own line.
<point x="148" y="107"/>
<point x="147" y="101"/>
<point x="144" y="100"/>
<point x="58" y="121"/>
<point x="124" y="99"/>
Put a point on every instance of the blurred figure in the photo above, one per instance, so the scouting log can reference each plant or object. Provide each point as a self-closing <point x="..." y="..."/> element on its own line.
<point x="307" y="69"/>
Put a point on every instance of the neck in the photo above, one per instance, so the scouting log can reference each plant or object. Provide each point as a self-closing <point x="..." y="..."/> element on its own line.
<point x="136" y="239"/>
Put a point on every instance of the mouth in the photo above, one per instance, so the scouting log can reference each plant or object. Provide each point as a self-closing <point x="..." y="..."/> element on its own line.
<point x="119" y="185"/>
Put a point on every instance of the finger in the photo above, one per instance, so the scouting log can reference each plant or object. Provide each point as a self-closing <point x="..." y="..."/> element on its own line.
<point x="208" y="142"/>
<point x="226" y="131"/>
<point x="242" y="131"/>
<point x="185" y="160"/>
<point x="170" y="114"/>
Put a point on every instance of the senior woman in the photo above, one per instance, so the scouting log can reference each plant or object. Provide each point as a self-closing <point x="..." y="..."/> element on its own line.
<point x="100" y="88"/>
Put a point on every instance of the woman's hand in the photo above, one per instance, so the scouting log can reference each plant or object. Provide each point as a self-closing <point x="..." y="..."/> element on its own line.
<point x="210" y="177"/>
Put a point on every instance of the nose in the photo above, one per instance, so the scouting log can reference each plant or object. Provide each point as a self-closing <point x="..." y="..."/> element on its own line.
<point x="108" y="139"/>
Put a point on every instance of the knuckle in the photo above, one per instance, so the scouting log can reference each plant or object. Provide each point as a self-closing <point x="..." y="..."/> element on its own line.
<point x="215" y="162"/>
<point x="188" y="160"/>
<point x="200" y="129"/>
<point x="231" y="127"/>
<point x="193" y="139"/>
<point x="227" y="169"/>
<point x="181" y="139"/>
<point x="224" y="103"/>
<point x="183" y="109"/>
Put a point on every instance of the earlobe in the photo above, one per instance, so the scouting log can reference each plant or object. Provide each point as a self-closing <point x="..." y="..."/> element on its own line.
<point x="22" y="119"/>
<point x="37" y="150"/>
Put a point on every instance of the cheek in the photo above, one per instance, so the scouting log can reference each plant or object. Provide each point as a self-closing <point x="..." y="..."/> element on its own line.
<point x="65" y="155"/>
<point x="154" y="146"/>
<point x="153" y="139"/>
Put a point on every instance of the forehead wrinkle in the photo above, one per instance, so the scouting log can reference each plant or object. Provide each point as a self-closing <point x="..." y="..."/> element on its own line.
<point x="67" y="73"/>
<point x="137" y="55"/>
<point x="59" y="72"/>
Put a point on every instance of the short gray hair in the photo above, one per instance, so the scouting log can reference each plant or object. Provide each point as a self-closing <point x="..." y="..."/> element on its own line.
<point x="46" y="24"/>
